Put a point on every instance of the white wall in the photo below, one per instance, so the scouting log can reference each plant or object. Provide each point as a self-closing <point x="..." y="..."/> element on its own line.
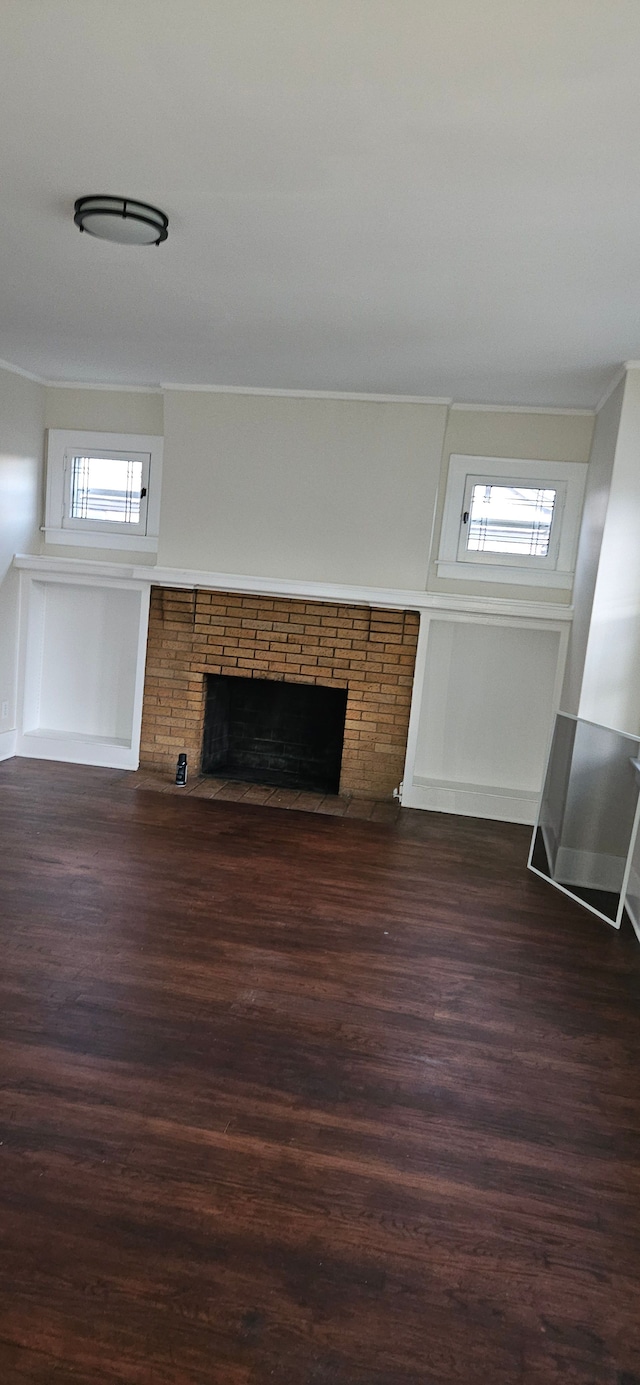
<point x="21" y="450"/>
<point x="347" y="491"/>
<point x="611" y="682"/>
<point x="102" y="411"/>
<point x="322" y="489"/>
<point x="496" y="433"/>
<point x="594" y="514"/>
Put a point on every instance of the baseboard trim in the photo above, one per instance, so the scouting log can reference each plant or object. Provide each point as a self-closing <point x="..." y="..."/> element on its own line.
<point x="8" y="741"/>
<point x="76" y="752"/>
<point x="471" y="800"/>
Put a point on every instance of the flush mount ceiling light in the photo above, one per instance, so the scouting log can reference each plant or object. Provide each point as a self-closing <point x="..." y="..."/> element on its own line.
<point x="121" y="219"/>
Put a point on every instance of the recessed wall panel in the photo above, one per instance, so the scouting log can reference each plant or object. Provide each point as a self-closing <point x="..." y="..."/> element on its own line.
<point x="87" y="646"/>
<point x="487" y="704"/>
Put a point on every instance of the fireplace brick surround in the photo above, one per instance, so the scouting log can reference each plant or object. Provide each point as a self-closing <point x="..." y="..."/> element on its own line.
<point x="369" y="652"/>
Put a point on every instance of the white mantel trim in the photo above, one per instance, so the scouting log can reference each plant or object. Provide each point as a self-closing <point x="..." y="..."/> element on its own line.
<point x="41" y="564"/>
<point x="297" y="589"/>
<point x="41" y="574"/>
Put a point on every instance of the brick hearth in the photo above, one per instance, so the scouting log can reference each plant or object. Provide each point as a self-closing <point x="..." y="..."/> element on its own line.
<point x="369" y="652"/>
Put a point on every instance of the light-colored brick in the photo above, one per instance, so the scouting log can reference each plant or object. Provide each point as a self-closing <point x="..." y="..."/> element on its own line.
<point x="371" y="653"/>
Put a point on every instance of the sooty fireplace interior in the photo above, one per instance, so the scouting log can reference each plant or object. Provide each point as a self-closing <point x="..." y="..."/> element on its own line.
<point x="268" y="732"/>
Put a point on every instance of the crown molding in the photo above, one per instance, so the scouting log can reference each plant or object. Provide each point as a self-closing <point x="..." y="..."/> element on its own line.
<point x="115" y="389"/>
<point x="613" y="384"/>
<point x="17" y="370"/>
<point x="615" y="381"/>
<point x="362" y="396"/>
<point x="444" y="401"/>
<point x="521" y="409"/>
<point x="77" y="384"/>
<point x="311" y="394"/>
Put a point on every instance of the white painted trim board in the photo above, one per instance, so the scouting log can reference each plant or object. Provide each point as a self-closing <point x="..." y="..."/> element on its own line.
<point x="8" y="741"/>
<point x="471" y="800"/>
<point x="296" y="588"/>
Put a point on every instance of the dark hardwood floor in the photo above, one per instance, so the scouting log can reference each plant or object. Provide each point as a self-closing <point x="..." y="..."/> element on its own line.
<point x="300" y="1100"/>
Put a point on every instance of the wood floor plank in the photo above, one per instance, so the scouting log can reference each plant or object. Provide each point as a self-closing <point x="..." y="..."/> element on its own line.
<point x="307" y="1099"/>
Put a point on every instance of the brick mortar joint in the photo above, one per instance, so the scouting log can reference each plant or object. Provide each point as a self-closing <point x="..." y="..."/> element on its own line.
<point x="180" y="623"/>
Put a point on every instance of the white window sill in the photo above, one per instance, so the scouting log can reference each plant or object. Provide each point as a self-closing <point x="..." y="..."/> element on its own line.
<point x="498" y="572"/>
<point x="91" y="538"/>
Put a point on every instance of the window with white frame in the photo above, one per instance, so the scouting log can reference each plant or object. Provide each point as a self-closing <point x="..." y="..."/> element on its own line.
<point x="511" y="520"/>
<point x="103" y="489"/>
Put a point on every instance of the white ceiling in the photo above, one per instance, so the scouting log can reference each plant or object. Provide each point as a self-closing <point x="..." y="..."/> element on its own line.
<point x="431" y="197"/>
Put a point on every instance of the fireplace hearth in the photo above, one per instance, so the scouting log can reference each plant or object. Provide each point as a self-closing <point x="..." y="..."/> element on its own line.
<point x="365" y="656"/>
<point x="262" y="731"/>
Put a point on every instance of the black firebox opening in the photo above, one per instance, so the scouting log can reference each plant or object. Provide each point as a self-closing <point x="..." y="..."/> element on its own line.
<point x="267" y="732"/>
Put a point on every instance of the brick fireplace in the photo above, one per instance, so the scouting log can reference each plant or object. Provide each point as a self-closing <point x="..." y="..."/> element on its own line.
<point x="370" y="653"/>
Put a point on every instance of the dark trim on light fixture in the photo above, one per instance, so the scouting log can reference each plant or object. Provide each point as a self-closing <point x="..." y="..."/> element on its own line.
<point x="121" y="209"/>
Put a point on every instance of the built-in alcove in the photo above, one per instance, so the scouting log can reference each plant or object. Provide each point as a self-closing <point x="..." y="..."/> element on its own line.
<point x="482" y="725"/>
<point x="486" y="681"/>
<point x="274" y="732"/>
<point x="81" y="670"/>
